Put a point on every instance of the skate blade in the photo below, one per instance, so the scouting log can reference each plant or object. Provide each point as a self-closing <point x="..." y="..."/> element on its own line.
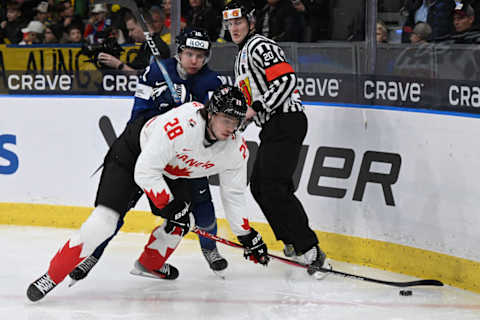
<point x="72" y="283"/>
<point x="220" y="274"/>
<point x="144" y="274"/>
<point x="319" y="275"/>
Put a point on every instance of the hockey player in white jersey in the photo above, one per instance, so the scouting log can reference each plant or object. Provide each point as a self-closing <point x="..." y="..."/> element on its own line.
<point x="157" y="155"/>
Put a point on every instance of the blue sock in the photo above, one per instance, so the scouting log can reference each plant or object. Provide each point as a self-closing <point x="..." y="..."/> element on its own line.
<point x="205" y="219"/>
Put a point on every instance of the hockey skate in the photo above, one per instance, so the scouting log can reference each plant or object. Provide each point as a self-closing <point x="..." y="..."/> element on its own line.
<point x="289" y="251"/>
<point x="216" y="262"/>
<point x="40" y="287"/>
<point x="315" y="259"/>
<point x="166" y="272"/>
<point x="82" y="270"/>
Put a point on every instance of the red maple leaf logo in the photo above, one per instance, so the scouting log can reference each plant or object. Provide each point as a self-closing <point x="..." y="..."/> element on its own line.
<point x="65" y="261"/>
<point x="176" y="171"/>
<point x="160" y="199"/>
<point x="245" y="225"/>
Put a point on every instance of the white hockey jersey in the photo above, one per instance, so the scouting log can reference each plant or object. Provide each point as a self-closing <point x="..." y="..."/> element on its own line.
<point x="172" y="144"/>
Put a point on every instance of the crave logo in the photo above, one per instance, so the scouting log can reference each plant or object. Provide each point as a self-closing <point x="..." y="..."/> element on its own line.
<point x="393" y="91"/>
<point x="464" y="96"/>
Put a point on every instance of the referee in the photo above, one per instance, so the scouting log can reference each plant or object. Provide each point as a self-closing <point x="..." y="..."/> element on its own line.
<point x="269" y="84"/>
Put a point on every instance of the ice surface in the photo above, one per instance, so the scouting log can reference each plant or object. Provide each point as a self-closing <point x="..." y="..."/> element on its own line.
<point x="249" y="292"/>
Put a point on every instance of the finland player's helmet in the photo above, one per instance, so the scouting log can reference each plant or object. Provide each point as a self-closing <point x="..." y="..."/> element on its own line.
<point x="195" y="38"/>
<point x="228" y="100"/>
<point x="237" y="9"/>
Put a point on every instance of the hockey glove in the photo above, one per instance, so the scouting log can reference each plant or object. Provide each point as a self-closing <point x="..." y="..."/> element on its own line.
<point x="178" y="217"/>
<point x="254" y="247"/>
<point x="163" y="97"/>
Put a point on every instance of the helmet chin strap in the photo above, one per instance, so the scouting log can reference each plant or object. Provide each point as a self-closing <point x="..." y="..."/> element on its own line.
<point x="209" y="131"/>
<point x="181" y="72"/>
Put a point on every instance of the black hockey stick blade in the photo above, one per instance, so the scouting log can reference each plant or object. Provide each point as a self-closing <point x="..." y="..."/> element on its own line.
<point x="400" y="284"/>
<point x="107" y="130"/>
<point x="109" y="135"/>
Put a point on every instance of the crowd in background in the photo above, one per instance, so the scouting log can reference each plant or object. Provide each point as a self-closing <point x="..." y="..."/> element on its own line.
<point x="77" y="21"/>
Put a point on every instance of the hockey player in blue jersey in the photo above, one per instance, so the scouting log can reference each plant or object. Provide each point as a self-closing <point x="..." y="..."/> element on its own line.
<point x="193" y="81"/>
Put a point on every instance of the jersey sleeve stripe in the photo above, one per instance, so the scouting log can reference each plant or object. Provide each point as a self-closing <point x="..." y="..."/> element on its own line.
<point x="278" y="70"/>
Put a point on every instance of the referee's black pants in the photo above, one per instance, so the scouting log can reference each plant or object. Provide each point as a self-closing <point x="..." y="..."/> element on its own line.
<point x="271" y="182"/>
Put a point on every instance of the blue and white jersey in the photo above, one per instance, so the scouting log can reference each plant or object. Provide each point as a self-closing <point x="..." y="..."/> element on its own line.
<point x="152" y="96"/>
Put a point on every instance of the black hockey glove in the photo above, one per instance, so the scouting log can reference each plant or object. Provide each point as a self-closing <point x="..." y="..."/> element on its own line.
<point x="254" y="247"/>
<point x="177" y="213"/>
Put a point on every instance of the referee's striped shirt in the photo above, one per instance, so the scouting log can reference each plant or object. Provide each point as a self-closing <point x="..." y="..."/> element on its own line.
<point x="267" y="80"/>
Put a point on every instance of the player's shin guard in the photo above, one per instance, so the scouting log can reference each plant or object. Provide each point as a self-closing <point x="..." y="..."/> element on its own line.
<point x="159" y="248"/>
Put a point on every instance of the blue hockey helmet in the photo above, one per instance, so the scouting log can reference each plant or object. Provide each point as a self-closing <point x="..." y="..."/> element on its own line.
<point x="194" y="38"/>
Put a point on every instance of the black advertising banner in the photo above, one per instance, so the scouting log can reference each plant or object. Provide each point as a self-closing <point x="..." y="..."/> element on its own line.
<point x="435" y="77"/>
<point x="74" y="83"/>
<point x="435" y="94"/>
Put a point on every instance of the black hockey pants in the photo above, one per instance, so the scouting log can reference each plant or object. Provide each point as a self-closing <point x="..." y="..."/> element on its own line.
<point x="271" y="182"/>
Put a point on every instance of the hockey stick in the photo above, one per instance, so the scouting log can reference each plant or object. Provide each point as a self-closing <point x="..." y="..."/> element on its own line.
<point x="130" y="4"/>
<point x="107" y="130"/>
<point x="401" y="284"/>
<point x="108" y="133"/>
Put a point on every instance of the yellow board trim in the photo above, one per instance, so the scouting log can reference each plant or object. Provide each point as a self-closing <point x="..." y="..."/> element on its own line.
<point x="454" y="271"/>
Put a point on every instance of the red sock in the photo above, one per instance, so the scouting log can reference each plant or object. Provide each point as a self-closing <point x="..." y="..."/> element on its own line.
<point x="160" y="247"/>
<point x="65" y="261"/>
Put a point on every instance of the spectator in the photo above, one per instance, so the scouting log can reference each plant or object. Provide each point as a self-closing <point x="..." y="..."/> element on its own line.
<point x="421" y="33"/>
<point x="27" y="8"/>
<point x="382" y="32"/>
<point x="97" y="24"/>
<point x="476" y="7"/>
<point x="279" y="21"/>
<point x="67" y="15"/>
<point x="74" y="34"/>
<point x="167" y="9"/>
<point x="437" y="13"/>
<point x="53" y="34"/>
<point x="10" y="28"/>
<point x="466" y="32"/>
<point x="32" y="34"/>
<point x="315" y="13"/>
<point x="157" y="24"/>
<point x="142" y="60"/>
<point x="42" y="13"/>
<point x="81" y="8"/>
<point x="203" y="16"/>
<point x="302" y="18"/>
<point x="347" y="20"/>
